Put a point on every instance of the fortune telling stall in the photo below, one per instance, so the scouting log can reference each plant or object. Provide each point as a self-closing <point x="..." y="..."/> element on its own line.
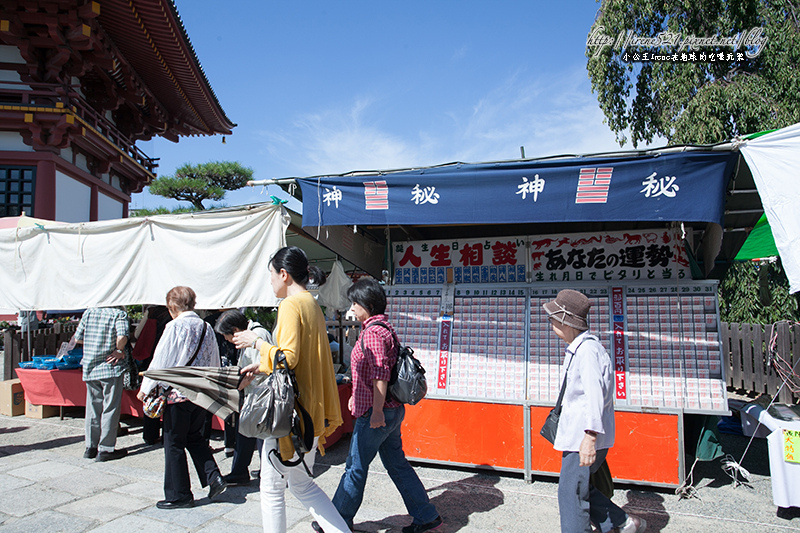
<point x="494" y="364"/>
<point x="475" y="249"/>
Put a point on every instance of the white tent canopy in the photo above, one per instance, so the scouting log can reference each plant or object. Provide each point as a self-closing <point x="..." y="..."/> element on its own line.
<point x="222" y="255"/>
<point x="774" y="160"/>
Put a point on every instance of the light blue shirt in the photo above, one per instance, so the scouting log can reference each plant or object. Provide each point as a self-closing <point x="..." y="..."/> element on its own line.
<point x="588" y="402"/>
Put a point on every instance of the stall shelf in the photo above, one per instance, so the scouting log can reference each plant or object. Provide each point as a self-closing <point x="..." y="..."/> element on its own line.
<point x="493" y="361"/>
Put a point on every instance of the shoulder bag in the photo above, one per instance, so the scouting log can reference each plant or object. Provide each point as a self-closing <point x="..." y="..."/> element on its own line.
<point x="267" y="410"/>
<point x="407" y="383"/>
<point x="550" y="427"/>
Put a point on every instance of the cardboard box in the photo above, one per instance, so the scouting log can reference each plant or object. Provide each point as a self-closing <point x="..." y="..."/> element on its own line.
<point x="12" y="398"/>
<point x="40" y="411"/>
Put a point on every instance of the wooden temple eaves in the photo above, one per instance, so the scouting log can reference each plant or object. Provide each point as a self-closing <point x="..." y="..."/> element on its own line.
<point x="96" y="77"/>
<point x="132" y="54"/>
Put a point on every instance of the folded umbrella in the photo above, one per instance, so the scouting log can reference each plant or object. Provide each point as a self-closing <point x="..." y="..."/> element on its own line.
<point x="215" y="389"/>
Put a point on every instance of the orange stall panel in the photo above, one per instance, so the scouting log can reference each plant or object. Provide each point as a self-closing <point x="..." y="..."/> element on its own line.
<point x="468" y="433"/>
<point x="647" y="448"/>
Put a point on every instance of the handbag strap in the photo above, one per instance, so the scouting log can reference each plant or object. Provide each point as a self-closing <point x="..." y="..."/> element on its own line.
<point x="557" y="408"/>
<point x="199" y="344"/>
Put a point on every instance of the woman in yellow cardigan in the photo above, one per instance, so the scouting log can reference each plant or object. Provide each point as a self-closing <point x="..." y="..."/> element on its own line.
<point x="301" y="335"/>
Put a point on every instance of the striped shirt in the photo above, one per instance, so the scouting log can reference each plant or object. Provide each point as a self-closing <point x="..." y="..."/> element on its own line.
<point x="98" y="329"/>
<point x="377" y="363"/>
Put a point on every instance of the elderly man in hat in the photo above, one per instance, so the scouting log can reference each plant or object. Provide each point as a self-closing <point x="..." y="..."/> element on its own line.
<point x="586" y="426"/>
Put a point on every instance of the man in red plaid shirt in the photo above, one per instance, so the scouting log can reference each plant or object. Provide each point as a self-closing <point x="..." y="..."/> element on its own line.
<point x="377" y="419"/>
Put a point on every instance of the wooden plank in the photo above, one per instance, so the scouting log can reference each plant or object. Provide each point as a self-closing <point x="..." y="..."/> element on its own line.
<point x="725" y="351"/>
<point x="759" y="354"/>
<point x="773" y="377"/>
<point x="747" y="356"/>
<point x="785" y="345"/>
<point x="736" y="356"/>
<point x="794" y="338"/>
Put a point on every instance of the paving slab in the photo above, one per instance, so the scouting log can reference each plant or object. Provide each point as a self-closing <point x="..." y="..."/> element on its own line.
<point x="105" y="506"/>
<point x="50" y="521"/>
<point x="45" y="470"/>
<point x="30" y="499"/>
<point x="137" y="524"/>
<point x="45" y="485"/>
<point x="9" y="482"/>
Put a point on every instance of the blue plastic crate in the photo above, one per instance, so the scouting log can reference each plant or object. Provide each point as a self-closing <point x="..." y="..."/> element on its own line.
<point x="46" y="363"/>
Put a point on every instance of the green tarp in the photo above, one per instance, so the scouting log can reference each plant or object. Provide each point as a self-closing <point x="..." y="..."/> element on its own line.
<point x="759" y="243"/>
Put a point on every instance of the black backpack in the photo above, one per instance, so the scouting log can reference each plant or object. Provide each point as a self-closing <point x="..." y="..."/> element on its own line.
<point x="408" y="383"/>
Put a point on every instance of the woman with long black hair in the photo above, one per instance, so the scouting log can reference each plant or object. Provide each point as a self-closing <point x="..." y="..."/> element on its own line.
<point x="301" y="335"/>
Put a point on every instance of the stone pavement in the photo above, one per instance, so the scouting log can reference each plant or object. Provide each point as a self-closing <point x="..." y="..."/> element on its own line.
<point x="46" y="486"/>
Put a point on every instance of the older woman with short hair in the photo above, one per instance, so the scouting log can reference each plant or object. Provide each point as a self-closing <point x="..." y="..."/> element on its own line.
<point x="187" y="341"/>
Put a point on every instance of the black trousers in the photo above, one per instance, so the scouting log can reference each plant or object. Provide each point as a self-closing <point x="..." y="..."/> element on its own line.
<point x="242" y="453"/>
<point x="183" y="431"/>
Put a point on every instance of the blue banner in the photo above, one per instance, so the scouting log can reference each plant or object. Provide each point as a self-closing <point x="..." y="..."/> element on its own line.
<point x="684" y="186"/>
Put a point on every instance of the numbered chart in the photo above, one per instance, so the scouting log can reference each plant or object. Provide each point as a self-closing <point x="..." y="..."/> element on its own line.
<point x="415" y="317"/>
<point x="674" y="350"/>
<point x="547" y="350"/>
<point x="493" y="343"/>
<point x="487" y="358"/>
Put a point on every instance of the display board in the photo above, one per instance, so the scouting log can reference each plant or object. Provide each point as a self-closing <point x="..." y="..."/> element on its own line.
<point x="547" y="350"/>
<point x="674" y="349"/>
<point x="414" y="312"/>
<point x="497" y="344"/>
<point x="654" y="256"/>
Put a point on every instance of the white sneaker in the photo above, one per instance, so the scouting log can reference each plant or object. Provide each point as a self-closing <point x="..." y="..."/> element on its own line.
<point x="633" y="524"/>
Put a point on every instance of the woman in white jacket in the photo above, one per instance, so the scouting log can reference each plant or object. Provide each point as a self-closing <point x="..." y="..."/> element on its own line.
<point x="586" y="427"/>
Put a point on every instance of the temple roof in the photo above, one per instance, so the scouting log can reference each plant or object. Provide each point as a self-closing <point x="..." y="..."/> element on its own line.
<point x="151" y="37"/>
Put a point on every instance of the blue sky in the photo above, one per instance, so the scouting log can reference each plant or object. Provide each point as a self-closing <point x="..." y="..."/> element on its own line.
<point x="320" y="87"/>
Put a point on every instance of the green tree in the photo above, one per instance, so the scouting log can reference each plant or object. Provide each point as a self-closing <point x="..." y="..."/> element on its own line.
<point x="756" y="293"/>
<point x="699" y="102"/>
<point x="207" y="181"/>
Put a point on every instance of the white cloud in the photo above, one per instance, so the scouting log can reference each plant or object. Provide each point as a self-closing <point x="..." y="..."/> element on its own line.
<point x="548" y="114"/>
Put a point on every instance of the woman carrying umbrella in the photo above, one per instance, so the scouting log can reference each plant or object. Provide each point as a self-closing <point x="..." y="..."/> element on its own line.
<point x="301" y="335"/>
<point x="186" y="341"/>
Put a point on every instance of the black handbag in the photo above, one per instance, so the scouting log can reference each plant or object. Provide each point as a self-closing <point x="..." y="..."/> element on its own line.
<point x="131" y="380"/>
<point x="407" y="383"/>
<point x="550" y="427"/>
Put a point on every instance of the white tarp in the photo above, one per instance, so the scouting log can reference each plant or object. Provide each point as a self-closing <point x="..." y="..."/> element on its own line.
<point x="774" y="160"/>
<point x="222" y="255"/>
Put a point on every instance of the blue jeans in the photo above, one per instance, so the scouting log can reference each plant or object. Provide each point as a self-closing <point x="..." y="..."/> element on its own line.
<point x="365" y="443"/>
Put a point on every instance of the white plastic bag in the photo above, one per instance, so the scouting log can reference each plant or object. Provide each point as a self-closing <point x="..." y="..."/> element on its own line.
<point x="333" y="295"/>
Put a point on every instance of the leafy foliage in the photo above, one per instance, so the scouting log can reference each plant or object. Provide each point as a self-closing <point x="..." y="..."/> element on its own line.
<point x="207" y="181"/>
<point x="266" y="316"/>
<point x="755" y="293"/>
<point x="700" y="102"/>
<point x="145" y="212"/>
